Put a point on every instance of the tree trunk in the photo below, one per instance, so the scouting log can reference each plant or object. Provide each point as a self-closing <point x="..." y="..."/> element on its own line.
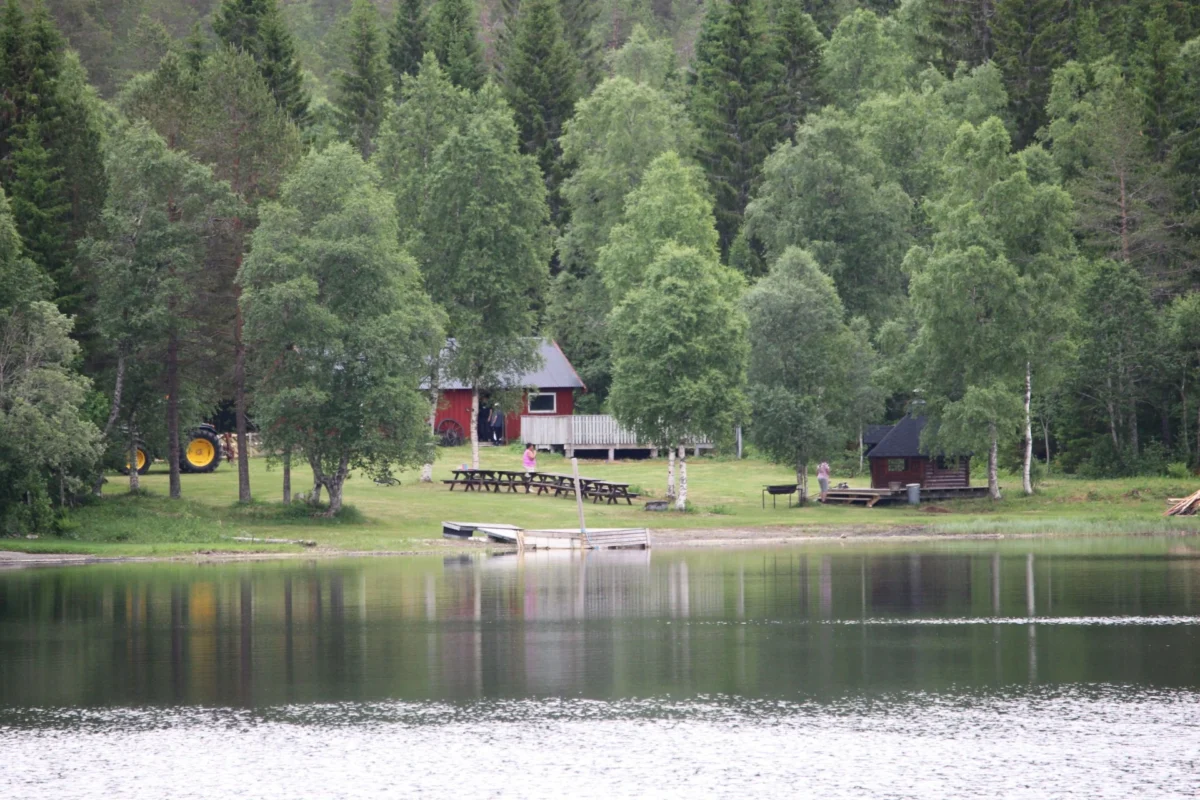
<point x="317" y="478"/>
<point x="1133" y="430"/>
<point x="671" y="472"/>
<point x="1026" y="467"/>
<point x="134" y="485"/>
<point x="1183" y="420"/>
<point x="175" y="490"/>
<point x="287" y="476"/>
<point x="681" y="497"/>
<point x="861" y="450"/>
<point x="1046" y="437"/>
<point x="739" y="442"/>
<point x="427" y="469"/>
<point x="114" y="411"/>
<point x="802" y="480"/>
<point x="240" y="402"/>
<point x="475" y="428"/>
<point x="334" y="484"/>
<point x="993" y="454"/>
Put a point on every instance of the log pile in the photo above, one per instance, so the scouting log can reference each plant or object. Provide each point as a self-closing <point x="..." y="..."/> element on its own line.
<point x="1185" y="507"/>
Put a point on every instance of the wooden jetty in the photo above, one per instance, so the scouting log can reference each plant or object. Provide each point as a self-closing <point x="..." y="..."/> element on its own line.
<point x="550" y="539"/>
<point x="874" y="497"/>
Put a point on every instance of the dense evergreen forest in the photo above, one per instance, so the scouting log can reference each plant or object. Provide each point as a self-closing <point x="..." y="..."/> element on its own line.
<point x="798" y="216"/>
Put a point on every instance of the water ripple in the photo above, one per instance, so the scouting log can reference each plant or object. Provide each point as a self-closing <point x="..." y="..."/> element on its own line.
<point x="1094" y="742"/>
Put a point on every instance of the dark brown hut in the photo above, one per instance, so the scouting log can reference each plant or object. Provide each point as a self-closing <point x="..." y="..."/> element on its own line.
<point x="898" y="460"/>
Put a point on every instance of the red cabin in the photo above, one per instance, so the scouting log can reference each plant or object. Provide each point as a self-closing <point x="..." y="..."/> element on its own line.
<point x="897" y="460"/>
<point x="549" y="390"/>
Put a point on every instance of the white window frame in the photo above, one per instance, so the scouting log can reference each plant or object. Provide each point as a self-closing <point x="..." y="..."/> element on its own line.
<point x="529" y="402"/>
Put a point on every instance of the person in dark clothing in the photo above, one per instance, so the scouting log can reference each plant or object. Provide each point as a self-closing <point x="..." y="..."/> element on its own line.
<point x="496" y="420"/>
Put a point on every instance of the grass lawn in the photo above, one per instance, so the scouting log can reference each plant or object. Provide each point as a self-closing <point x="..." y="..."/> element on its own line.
<point x="725" y="493"/>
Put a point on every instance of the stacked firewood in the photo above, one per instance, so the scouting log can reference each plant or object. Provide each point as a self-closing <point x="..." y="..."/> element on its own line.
<point x="1187" y="506"/>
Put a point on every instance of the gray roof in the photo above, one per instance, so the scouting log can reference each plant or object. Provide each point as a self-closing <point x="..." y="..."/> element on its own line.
<point x="902" y="441"/>
<point x="555" y="372"/>
<point x="874" y="434"/>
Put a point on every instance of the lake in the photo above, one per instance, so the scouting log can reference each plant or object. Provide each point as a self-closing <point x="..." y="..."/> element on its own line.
<point x="1014" y="668"/>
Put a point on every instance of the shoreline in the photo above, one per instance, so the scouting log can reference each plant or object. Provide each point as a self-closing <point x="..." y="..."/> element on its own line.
<point x="666" y="538"/>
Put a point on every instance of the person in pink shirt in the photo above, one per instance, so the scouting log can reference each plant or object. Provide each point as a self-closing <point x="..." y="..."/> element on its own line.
<point x="823" y="478"/>
<point x="530" y="458"/>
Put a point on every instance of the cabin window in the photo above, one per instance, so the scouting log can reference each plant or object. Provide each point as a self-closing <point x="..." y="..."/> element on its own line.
<point x="543" y="403"/>
<point x="897" y="465"/>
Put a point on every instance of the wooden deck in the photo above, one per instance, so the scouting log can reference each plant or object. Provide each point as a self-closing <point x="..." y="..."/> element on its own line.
<point x="550" y="539"/>
<point x="588" y="432"/>
<point x="875" y="497"/>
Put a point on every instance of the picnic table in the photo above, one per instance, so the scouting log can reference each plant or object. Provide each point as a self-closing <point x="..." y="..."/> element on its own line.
<point x="560" y="484"/>
<point x="489" y="480"/>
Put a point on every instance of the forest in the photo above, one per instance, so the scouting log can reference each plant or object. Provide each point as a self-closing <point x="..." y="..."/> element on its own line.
<point x="799" y="217"/>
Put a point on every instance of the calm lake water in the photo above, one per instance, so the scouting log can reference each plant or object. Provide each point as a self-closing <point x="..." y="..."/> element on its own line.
<point x="1064" y="668"/>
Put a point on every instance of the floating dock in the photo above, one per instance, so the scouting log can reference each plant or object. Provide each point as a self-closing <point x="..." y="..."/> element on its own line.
<point x="550" y="539"/>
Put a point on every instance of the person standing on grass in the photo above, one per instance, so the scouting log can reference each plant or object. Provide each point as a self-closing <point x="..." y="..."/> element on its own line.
<point x="530" y="458"/>
<point x="823" y="479"/>
<point x="497" y="420"/>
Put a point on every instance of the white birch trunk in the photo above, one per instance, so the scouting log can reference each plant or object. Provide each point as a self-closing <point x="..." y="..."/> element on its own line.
<point x="671" y="472"/>
<point x="802" y="481"/>
<point x="427" y="469"/>
<point x="681" y="497"/>
<point x="475" y="429"/>
<point x="993" y="454"/>
<point x="860" y="450"/>
<point x="134" y="485"/>
<point x="1026" y="478"/>
<point x="113" y="412"/>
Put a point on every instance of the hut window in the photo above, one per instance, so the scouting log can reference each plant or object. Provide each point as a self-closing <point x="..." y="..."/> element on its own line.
<point x="897" y="464"/>
<point x="540" y="403"/>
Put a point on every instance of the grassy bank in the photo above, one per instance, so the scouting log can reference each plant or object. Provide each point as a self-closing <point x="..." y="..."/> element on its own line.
<point x="725" y="495"/>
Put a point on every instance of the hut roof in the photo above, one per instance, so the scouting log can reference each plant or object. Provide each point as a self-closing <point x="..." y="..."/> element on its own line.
<point x="902" y="441"/>
<point x="874" y="434"/>
<point x="555" y="371"/>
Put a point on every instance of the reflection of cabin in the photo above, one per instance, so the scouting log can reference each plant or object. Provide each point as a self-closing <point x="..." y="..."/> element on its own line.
<point x="549" y="391"/>
<point x="898" y="460"/>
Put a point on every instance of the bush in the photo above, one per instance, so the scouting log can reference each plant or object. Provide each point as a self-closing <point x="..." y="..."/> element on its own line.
<point x="1178" y="470"/>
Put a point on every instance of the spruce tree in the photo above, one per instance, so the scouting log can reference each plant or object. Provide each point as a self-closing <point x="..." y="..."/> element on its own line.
<point x="38" y="204"/>
<point x="1030" y="38"/>
<point x="799" y="47"/>
<point x="735" y="105"/>
<point x="406" y="40"/>
<point x="362" y="88"/>
<point x="540" y="85"/>
<point x="454" y="38"/>
<point x="257" y="27"/>
<point x="1156" y="72"/>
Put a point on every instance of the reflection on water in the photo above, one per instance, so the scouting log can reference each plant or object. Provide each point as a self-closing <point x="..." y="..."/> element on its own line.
<point x="968" y="669"/>
<point x="778" y="624"/>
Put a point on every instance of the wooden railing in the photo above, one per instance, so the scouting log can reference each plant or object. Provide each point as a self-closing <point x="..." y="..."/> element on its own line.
<point x="584" y="432"/>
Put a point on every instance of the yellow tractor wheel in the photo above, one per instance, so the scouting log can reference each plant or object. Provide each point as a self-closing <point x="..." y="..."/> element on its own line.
<point x="202" y="452"/>
<point x="143" y="462"/>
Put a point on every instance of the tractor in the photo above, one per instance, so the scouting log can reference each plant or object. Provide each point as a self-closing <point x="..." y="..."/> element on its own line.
<point x="200" y="451"/>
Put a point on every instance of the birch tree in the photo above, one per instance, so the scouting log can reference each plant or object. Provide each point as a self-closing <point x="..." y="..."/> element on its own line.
<point x="679" y="354"/>
<point x="802" y="375"/>
<point x="340" y="325"/>
<point x="990" y="295"/>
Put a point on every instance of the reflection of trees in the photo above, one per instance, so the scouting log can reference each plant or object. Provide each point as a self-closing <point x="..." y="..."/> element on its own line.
<point x="773" y="623"/>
